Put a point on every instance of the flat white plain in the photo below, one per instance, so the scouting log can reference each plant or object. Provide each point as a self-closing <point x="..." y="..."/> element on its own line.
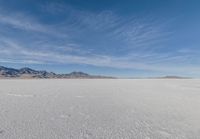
<point x="100" y="109"/>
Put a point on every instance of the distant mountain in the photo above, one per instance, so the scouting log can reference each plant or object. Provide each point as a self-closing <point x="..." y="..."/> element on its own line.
<point x="8" y="72"/>
<point x="173" y="77"/>
<point x="30" y="73"/>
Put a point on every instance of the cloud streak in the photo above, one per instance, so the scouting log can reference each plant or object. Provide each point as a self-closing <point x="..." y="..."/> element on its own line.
<point x="134" y="32"/>
<point x="77" y="36"/>
<point x="26" y="56"/>
<point x="29" y="24"/>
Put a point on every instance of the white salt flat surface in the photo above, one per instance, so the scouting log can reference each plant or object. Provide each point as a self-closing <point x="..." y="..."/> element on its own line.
<point x="100" y="109"/>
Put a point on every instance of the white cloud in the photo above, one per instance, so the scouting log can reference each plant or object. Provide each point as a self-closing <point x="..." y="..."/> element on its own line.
<point x="135" y="33"/>
<point x="25" y="55"/>
<point x="30" y="24"/>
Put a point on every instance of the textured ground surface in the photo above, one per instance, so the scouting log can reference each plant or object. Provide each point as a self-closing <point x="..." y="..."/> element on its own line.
<point x="99" y="109"/>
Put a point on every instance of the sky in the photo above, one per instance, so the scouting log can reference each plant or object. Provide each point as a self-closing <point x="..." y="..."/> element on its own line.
<point x="123" y="38"/>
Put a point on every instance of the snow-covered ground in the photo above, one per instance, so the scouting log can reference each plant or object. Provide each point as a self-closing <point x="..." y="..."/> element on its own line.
<point x="100" y="109"/>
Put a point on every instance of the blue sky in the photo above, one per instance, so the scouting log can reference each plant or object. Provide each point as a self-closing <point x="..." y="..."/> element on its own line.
<point x="125" y="38"/>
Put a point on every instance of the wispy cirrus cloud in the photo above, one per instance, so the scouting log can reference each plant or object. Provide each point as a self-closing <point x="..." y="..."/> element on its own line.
<point x="132" y="31"/>
<point x="83" y="37"/>
<point x="29" y="24"/>
<point x="21" y="22"/>
<point x="25" y="55"/>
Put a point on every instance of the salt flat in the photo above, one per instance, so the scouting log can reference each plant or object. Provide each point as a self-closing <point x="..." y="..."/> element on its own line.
<point x="100" y="109"/>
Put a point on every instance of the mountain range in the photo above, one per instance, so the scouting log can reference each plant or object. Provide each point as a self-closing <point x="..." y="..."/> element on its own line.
<point x="31" y="73"/>
<point x="26" y="73"/>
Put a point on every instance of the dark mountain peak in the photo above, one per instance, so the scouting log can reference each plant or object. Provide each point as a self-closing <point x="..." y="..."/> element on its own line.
<point x="78" y="73"/>
<point x="5" y="68"/>
<point x="27" y="70"/>
<point x="8" y="72"/>
<point x="173" y="77"/>
<point x="1" y="67"/>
